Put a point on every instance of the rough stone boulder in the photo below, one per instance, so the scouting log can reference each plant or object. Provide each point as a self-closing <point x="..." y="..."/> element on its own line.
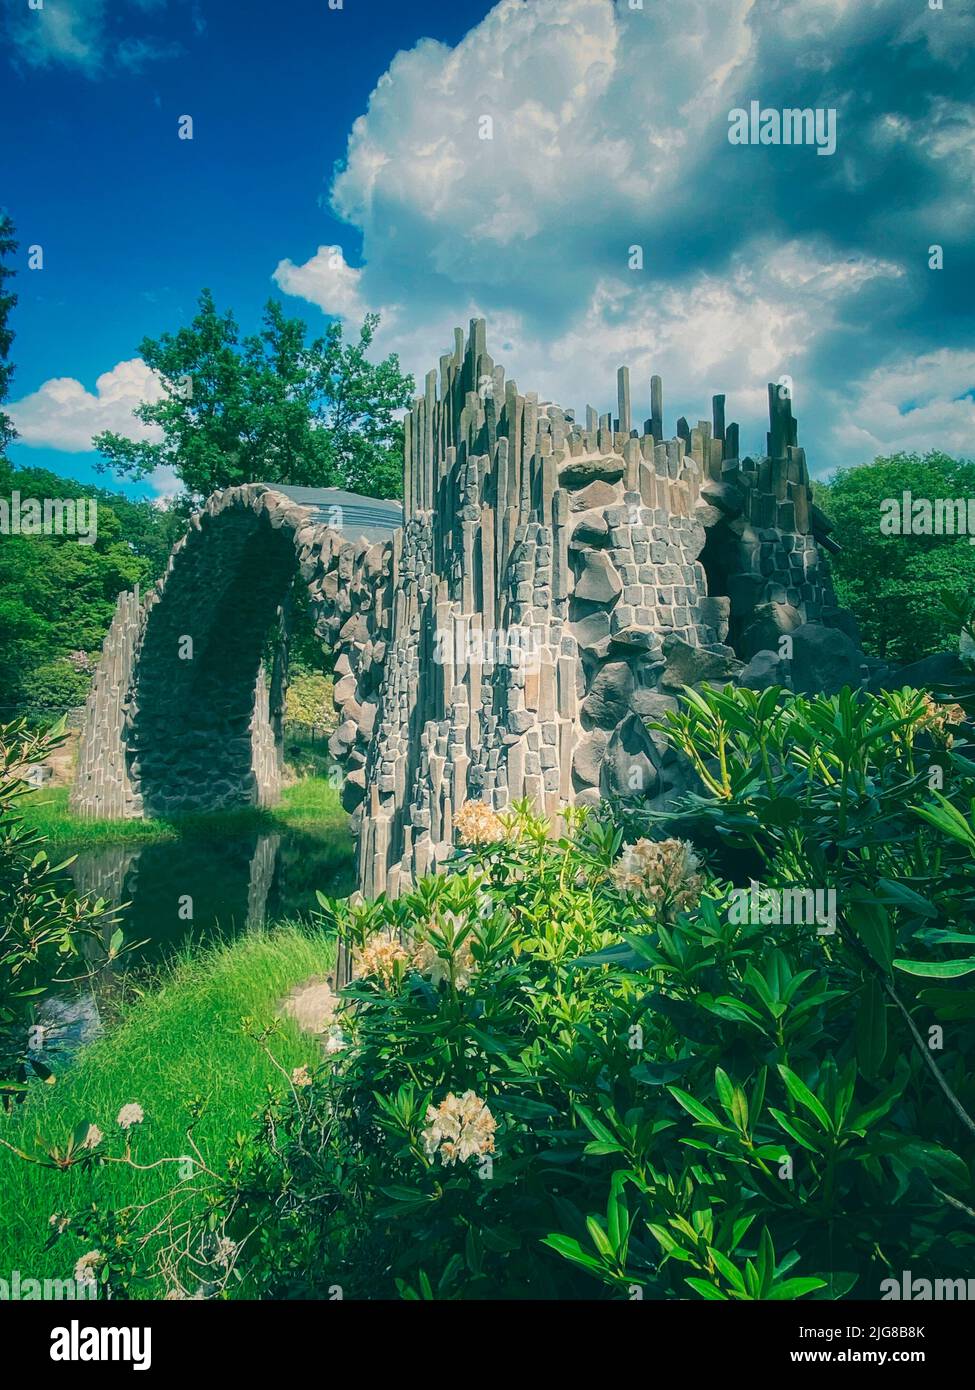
<point x="630" y="765"/>
<point x="770" y="622"/>
<point x="592" y="632"/>
<point x="651" y="704"/>
<point x="609" y="694"/>
<point x="591" y="529"/>
<point x="593" y="497"/>
<point x="587" y="759"/>
<point x="353" y="789"/>
<point x="765" y="669"/>
<point x="715" y="613"/>
<point x="579" y="472"/>
<point x="636" y="638"/>
<point x="824" y="660"/>
<point x="944" y="668"/>
<point x="845" y="621"/>
<point x="598" y="581"/>
<point x="725" y="496"/>
<point x="687" y="665"/>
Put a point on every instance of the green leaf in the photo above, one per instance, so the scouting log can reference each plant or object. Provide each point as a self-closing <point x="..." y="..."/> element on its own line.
<point x="899" y="895"/>
<point x="596" y="1126"/>
<point x="871" y="1029"/>
<point x="872" y="926"/>
<point x="572" y="1250"/>
<point x="599" y="1237"/>
<point x="707" y="1290"/>
<point x="802" y="1133"/>
<point x="501" y="1239"/>
<point x="406" y="1194"/>
<point x="937" y="969"/>
<point x="938" y="1163"/>
<point x="724" y="1088"/>
<point x="659" y="1073"/>
<point x="526" y="1108"/>
<point x="801" y="1093"/>
<point x="621" y="955"/>
<point x="948" y="819"/>
<point x="700" y="1112"/>
<point x="727" y="1268"/>
<point x="795" y="1288"/>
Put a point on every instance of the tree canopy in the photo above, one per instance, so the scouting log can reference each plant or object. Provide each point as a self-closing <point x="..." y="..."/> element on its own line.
<point x="268" y="407"/>
<point x="893" y="583"/>
<point x="57" y="597"/>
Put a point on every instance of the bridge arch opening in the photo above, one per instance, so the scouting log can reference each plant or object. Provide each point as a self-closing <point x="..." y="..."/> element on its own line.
<point x="181" y="717"/>
<point x="201" y="732"/>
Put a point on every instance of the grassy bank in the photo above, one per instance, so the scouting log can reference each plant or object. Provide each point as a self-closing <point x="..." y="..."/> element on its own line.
<point x="311" y="805"/>
<point x="182" y="1040"/>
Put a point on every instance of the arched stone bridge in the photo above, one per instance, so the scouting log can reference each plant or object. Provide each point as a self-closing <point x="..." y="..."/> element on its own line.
<point x="545" y="588"/>
<point x="181" y="717"/>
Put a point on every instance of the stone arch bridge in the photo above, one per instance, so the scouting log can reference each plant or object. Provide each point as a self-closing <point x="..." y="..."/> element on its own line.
<point x="546" y="586"/>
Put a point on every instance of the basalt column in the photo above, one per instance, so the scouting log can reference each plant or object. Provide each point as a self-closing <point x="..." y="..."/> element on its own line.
<point x="549" y="596"/>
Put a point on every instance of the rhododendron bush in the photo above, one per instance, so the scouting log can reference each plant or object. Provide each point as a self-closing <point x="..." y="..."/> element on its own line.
<point x="565" y="1069"/>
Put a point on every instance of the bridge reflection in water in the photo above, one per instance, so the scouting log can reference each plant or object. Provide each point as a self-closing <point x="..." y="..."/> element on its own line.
<point x="228" y="883"/>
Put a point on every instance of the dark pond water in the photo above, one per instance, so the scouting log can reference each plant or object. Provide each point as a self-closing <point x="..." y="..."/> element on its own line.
<point x="199" y="886"/>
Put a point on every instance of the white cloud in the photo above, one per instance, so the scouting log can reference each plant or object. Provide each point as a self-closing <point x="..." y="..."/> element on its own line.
<point x="62" y="414"/>
<point x="912" y="405"/>
<point x="610" y="130"/>
<point x="589" y="105"/>
<point x="76" y="34"/>
<point x="325" y="280"/>
<point x="67" y="32"/>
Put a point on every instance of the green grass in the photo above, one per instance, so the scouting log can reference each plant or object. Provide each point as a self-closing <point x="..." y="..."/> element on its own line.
<point x="311" y="805"/>
<point x="180" y="1040"/>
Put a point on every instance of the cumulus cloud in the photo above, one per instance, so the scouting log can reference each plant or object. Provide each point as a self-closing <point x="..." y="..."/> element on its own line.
<point x="325" y="280"/>
<point x="62" y="414"/>
<point x="607" y="130"/>
<point x="912" y="405"/>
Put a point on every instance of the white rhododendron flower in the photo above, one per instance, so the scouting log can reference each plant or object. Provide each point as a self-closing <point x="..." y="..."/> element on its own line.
<point x="84" y="1270"/>
<point x="93" y="1138"/>
<point x="459" y="1128"/>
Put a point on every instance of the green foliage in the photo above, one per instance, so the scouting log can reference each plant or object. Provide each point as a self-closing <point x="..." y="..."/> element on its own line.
<point x="558" y="1072"/>
<point x="310" y="701"/>
<point x="269" y="407"/>
<point x="57" y="597"/>
<point x="43" y="924"/>
<point x="893" y="583"/>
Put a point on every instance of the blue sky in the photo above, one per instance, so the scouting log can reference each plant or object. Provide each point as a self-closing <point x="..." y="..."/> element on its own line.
<point x="362" y="129"/>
